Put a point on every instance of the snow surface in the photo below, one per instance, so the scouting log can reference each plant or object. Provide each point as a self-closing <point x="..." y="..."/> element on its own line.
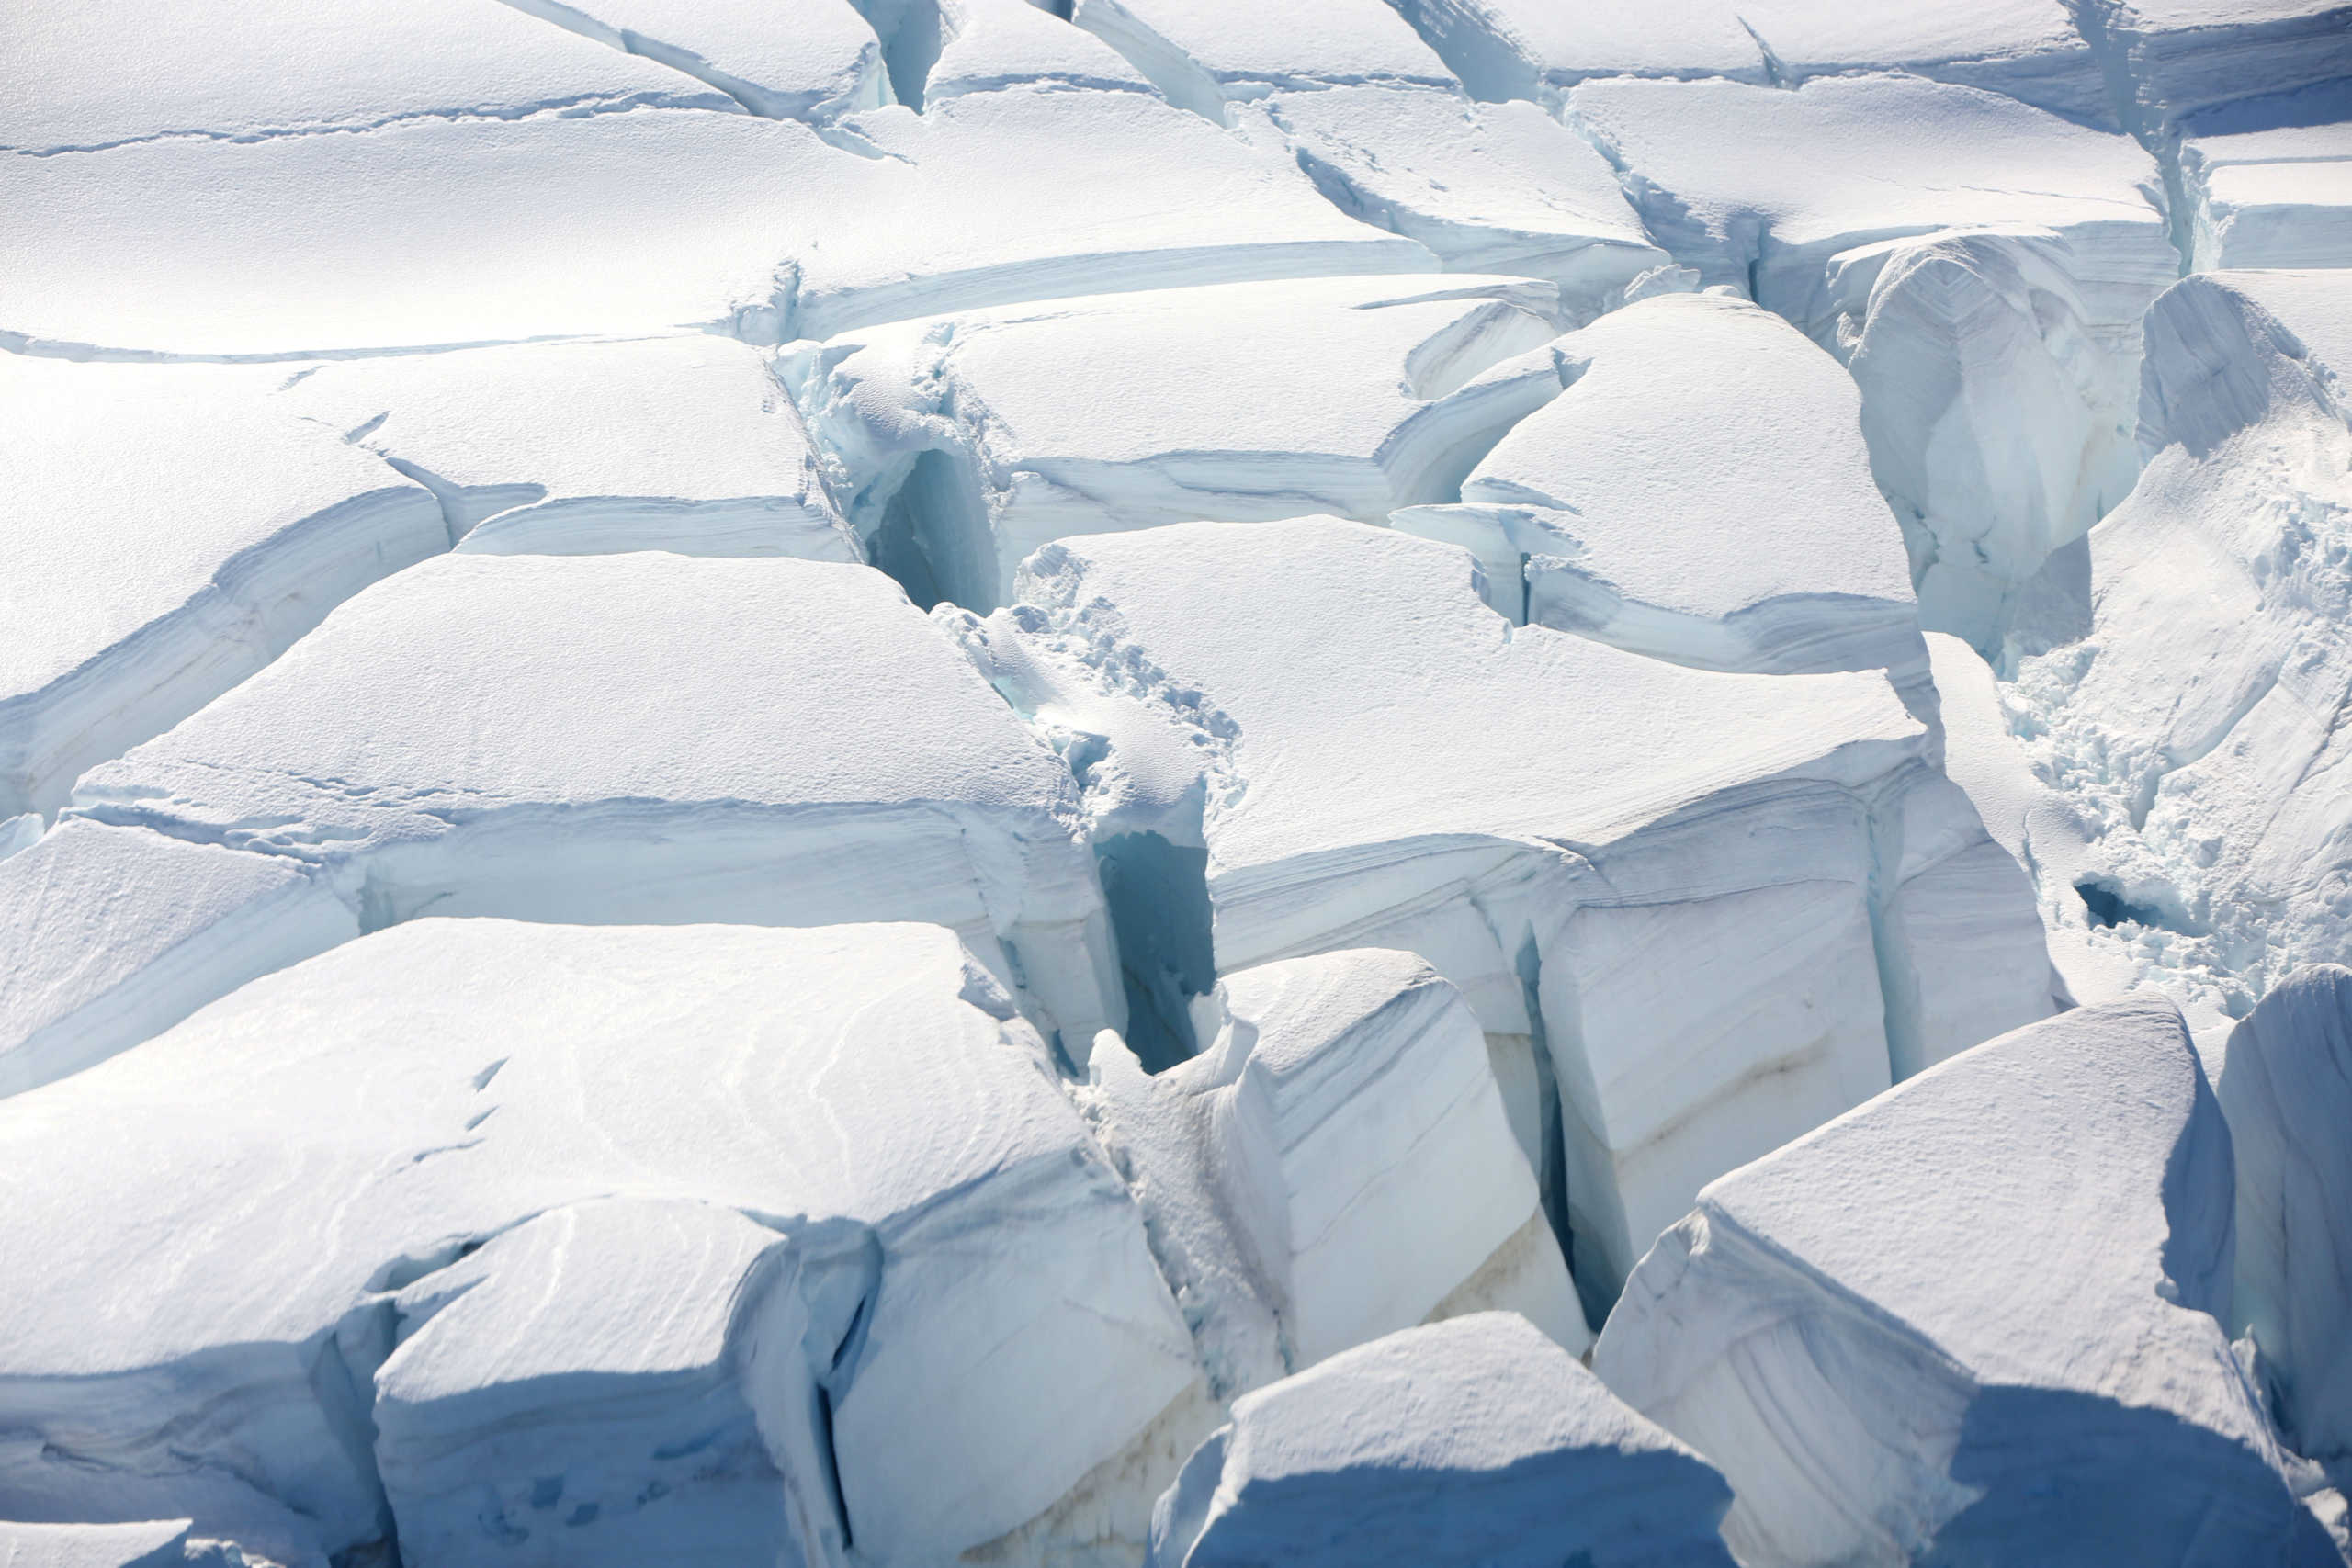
<point x="549" y="1237"/>
<point x="2272" y="199"/>
<point x="1976" y="1311"/>
<point x="1474" y="1441"/>
<point x="159" y="1543"/>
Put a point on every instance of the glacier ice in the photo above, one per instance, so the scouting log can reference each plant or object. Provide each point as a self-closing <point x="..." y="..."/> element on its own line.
<point x="1975" y="1318"/>
<point x="1377" y="757"/>
<point x="1699" y="493"/>
<point x="807" y="59"/>
<point x="2275" y="198"/>
<point x="1336" y="1164"/>
<point x="1472" y="1441"/>
<point x="568" y="1244"/>
<point x="832" y="759"/>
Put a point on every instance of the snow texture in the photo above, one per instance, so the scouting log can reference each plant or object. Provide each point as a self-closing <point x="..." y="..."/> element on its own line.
<point x="832" y="759"/>
<point x="1474" y="1441"/>
<point x="1552" y="816"/>
<point x="585" y="1245"/>
<point x="1976" y="1313"/>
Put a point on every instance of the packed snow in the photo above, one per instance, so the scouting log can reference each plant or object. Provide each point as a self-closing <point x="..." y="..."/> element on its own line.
<point x="1175" y="784"/>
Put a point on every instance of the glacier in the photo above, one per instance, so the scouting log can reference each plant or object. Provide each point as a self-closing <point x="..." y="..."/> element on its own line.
<point x="1159" y="784"/>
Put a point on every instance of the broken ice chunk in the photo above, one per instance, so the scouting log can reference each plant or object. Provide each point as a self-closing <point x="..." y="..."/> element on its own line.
<point x="1698" y="494"/>
<point x="2272" y="199"/>
<point x="1561" y="829"/>
<point x="831" y="758"/>
<point x="1973" y="1313"/>
<point x="989" y="45"/>
<point x="964" y="444"/>
<point x="2286" y="1087"/>
<point x="109" y="935"/>
<point x="1474" y="1441"/>
<point x="96" y="74"/>
<point x="189" y="530"/>
<point x="474" y="1208"/>
<point x="684" y="443"/>
<point x="810" y="60"/>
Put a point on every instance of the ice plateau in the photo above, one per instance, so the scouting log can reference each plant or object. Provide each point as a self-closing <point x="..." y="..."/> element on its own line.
<point x="1175" y="784"/>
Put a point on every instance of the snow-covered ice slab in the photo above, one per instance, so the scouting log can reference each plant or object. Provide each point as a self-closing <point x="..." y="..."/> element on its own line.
<point x="684" y="444"/>
<point x="777" y="741"/>
<point x="1700" y="492"/>
<point x="2211" y="60"/>
<point x="961" y="445"/>
<point x="1336" y="1165"/>
<point x="2272" y="199"/>
<point x="1477" y="1441"/>
<point x="154" y="1543"/>
<point x="642" y="223"/>
<point x="174" y="531"/>
<point x="99" y="73"/>
<point x="2030" y="49"/>
<point x="988" y="46"/>
<point x="1722" y="904"/>
<point x="2286" y="1087"/>
<point x="579" y="1245"/>
<point x="1971" y="1320"/>
<point x="109" y="935"/>
<point x="2195" y="728"/>
<point x="812" y="59"/>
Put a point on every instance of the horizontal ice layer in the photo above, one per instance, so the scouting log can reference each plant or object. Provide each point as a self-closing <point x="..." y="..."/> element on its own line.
<point x="2272" y="199"/>
<point x="810" y="60"/>
<point x="1477" y="1441"/>
<point x="642" y="223"/>
<point x="961" y="445"/>
<point x="1561" y="829"/>
<point x="2027" y="48"/>
<point x="1337" y="1164"/>
<point x="831" y="759"/>
<point x="2195" y="729"/>
<point x="159" y="1543"/>
<point x="684" y="444"/>
<point x="1699" y="493"/>
<point x="1759" y="187"/>
<point x="2208" y="60"/>
<point x="97" y="74"/>
<point x="180" y="532"/>
<point x="2286" y="1087"/>
<point x="426" y="1233"/>
<point x="109" y="935"/>
<point x="1972" y="1313"/>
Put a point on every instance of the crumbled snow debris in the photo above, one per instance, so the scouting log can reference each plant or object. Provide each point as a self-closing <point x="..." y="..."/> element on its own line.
<point x="2030" y="49"/>
<point x="174" y="531"/>
<point x="2194" y="730"/>
<point x="961" y="445"/>
<point x="831" y="757"/>
<point x="809" y="60"/>
<point x="1382" y="761"/>
<point x="643" y="223"/>
<point x="2287" y="1090"/>
<point x="500" y="1182"/>
<point x="2271" y="198"/>
<point x="99" y="73"/>
<point x="1973" y="1318"/>
<point x="1334" y="1166"/>
<point x="684" y="444"/>
<point x="1699" y="493"/>
<point x="1475" y="1441"/>
<point x="160" y="1543"/>
<point x="110" y="935"/>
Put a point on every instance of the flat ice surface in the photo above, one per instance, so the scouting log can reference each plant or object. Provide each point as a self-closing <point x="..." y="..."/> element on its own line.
<point x="1700" y="492"/>
<point x="831" y="758"/>
<point x="1474" y="1441"/>
<point x="684" y="444"/>
<point x="564" y="1198"/>
<point x="188" y="529"/>
<point x="1550" y="815"/>
<point x="647" y="221"/>
<point x="960" y="445"/>
<point x="1973" y="1312"/>
<point x="2194" y="728"/>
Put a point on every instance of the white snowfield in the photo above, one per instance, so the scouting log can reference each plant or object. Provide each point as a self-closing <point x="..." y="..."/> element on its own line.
<point x="560" y="1245"/>
<point x="831" y="758"/>
<point x="784" y="783"/>
<point x="1975" y="1311"/>
<point x="1371" y="756"/>
<point x="1508" y="1452"/>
